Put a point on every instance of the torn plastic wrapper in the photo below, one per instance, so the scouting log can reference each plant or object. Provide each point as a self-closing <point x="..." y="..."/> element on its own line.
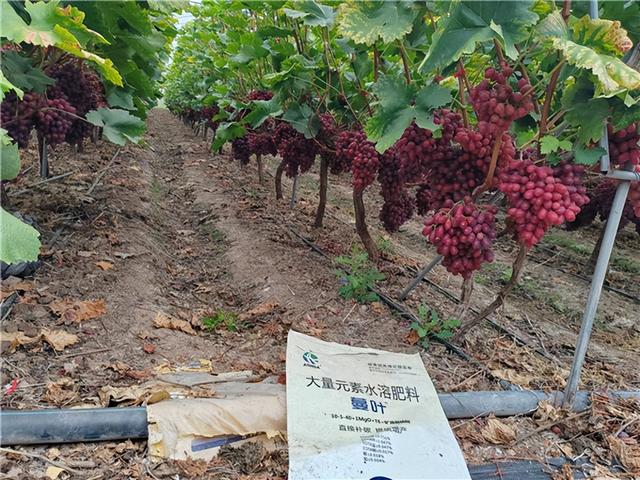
<point x="197" y="427"/>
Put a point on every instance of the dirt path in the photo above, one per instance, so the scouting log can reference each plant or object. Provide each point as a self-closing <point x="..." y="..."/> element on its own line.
<point x="175" y="232"/>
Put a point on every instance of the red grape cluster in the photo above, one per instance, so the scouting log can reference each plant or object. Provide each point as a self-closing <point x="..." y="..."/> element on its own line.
<point x="259" y="95"/>
<point x="207" y="114"/>
<point x="571" y="175"/>
<point x="634" y="200"/>
<point x="463" y="234"/>
<point x="479" y="143"/>
<point x="261" y="140"/>
<point x="496" y="102"/>
<point x="396" y="210"/>
<point x="240" y="150"/>
<point x="18" y="116"/>
<point x="623" y="145"/>
<point x="537" y="200"/>
<point x="53" y="120"/>
<point x="361" y="154"/>
<point x="298" y="152"/>
<point x="413" y="152"/>
<point x="80" y="86"/>
<point x="450" y="180"/>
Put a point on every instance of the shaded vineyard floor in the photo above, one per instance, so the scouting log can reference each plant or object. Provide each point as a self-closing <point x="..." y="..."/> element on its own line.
<point x="173" y="230"/>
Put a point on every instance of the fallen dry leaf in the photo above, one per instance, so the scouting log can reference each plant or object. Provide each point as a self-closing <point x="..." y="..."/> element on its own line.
<point x="78" y="310"/>
<point x="86" y="254"/>
<point x="259" y="311"/>
<point x="149" y="348"/>
<point x="59" y="339"/>
<point x="16" y="339"/>
<point x="53" y="472"/>
<point x="104" y="265"/>
<point x="498" y="433"/>
<point x="61" y="392"/>
<point x="412" y="337"/>
<point x="163" y="320"/>
<point x="628" y="454"/>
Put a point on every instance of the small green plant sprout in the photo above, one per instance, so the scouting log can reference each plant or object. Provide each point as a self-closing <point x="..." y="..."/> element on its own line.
<point x="431" y="325"/>
<point x="221" y="319"/>
<point x="385" y="246"/>
<point x="358" y="277"/>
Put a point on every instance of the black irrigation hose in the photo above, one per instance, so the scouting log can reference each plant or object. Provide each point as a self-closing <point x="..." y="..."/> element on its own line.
<point x="520" y="341"/>
<point x="619" y="291"/>
<point x="405" y="313"/>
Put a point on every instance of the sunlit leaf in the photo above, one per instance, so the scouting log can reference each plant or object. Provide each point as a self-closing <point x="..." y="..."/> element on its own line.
<point x="19" y="242"/>
<point x="604" y="36"/>
<point x="470" y="22"/>
<point x="9" y="157"/>
<point x="611" y="72"/>
<point x="312" y="13"/>
<point x="368" y="21"/>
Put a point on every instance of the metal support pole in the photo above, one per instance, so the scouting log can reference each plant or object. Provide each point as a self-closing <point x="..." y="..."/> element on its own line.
<point x="594" y="293"/>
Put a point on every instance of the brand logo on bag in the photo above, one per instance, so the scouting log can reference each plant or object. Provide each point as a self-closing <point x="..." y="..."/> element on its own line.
<point x="310" y="360"/>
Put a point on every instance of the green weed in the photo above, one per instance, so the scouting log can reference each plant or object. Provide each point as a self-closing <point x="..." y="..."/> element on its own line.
<point x="385" y="245"/>
<point x="431" y="325"/>
<point x="625" y="264"/>
<point x="569" y="243"/>
<point x="359" y="276"/>
<point x="221" y="318"/>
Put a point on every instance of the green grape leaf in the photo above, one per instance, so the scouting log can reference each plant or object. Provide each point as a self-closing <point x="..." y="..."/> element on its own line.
<point x="368" y="21"/>
<point x="262" y="109"/>
<point x="303" y="119"/>
<point x="553" y="25"/>
<point x="398" y="107"/>
<point x="433" y="96"/>
<point x="470" y="22"/>
<point x="589" y="117"/>
<point x="7" y="86"/>
<point x="9" y="157"/>
<point x="588" y="156"/>
<point x="549" y="144"/>
<point x="385" y="128"/>
<point x="44" y="17"/>
<point x="120" y="97"/>
<point x="312" y="13"/>
<point x="225" y="133"/>
<point x="19" y="242"/>
<point x="611" y="72"/>
<point x="251" y="48"/>
<point x="119" y="126"/>
<point x="19" y="71"/>
<point x="604" y="36"/>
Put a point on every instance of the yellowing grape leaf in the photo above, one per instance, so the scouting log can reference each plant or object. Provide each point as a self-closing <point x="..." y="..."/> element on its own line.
<point x="612" y="73"/>
<point x="605" y="36"/>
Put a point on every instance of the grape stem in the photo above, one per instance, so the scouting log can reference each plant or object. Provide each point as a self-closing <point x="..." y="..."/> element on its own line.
<point x="463" y="101"/>
<point x="324" y="174"/>
<point x="492" y="167"/>
<point x="278" y="179"/>
<point x="405" y="62"/>
<point x="376" y="62"/>
<point x="361" y="225"/>
<point x="499" y="300"/>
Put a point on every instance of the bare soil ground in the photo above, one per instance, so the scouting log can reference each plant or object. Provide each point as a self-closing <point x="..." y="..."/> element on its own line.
<point x="173" y="231"/>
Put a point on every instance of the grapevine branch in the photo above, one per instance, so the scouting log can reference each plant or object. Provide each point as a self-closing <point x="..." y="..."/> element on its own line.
<point x="499" y="300"/>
